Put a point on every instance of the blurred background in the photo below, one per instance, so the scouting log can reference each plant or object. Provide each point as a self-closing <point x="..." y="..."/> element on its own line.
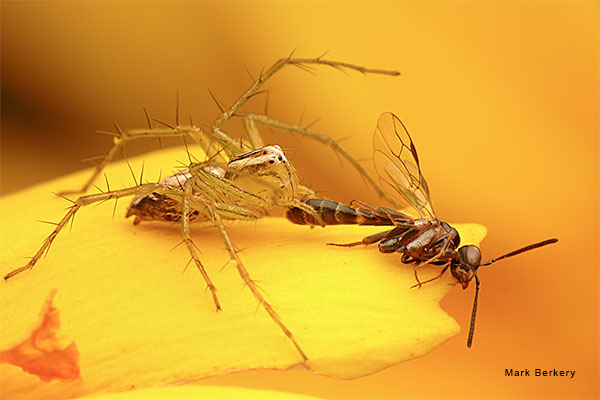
<point x="501" y="99"/>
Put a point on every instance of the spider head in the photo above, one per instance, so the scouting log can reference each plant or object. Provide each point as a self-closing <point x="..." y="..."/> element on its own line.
<point x="263" y="169"/>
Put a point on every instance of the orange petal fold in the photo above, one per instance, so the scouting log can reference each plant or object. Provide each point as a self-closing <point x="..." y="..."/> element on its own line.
<point x="45" y="351"/>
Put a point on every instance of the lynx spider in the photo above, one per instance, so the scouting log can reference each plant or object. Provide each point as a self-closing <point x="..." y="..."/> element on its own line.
<point x="210" y="188"/>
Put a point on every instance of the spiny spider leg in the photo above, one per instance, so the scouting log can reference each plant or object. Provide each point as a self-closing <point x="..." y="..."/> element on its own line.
<point x="185" y="233"/>
<point x="80" y="202"/>
<point x="231" y="146"/>
<point x="243" y="272"/>
<point x="299" y="62"/>
<point x="250" y="125"/>
<point x="122" y="137"/>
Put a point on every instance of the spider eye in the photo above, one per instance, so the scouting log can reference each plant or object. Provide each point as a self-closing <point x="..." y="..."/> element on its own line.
<point x="265" y="152"/>
<point x="271" y="161"/>
<point x="280" y="158"/>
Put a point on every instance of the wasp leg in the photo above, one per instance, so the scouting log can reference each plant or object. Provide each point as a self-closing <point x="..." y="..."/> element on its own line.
<point x="419" y="284"/>
<point x="442" y="252"/>
<point x="216" y="219"/>
<point x="366" y="241"/>
<point x="81" y="202"/>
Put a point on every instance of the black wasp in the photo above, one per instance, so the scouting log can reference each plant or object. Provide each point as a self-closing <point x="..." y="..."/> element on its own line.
<point x="423" y="240"/>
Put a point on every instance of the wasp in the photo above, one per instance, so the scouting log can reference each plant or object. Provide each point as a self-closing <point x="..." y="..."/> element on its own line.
<point x="423" y="240"/>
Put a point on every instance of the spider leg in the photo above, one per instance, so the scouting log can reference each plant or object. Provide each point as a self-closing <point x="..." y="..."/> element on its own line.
<point x="216" y="219"/>
<point x="302" y="63"/>
<point x="308" y="209"/>
<point x="185" y="233"/>
<point x="319" y="137"/>
<point x="122" y="137"/>
<point x="81" y="202"/>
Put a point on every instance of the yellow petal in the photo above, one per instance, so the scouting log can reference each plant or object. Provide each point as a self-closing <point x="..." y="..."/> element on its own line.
<point x="139" y="320"/>
<point x="194" y="392"/>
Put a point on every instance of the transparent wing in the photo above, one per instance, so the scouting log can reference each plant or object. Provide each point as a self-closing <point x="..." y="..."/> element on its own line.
<point x="397" y="165"/>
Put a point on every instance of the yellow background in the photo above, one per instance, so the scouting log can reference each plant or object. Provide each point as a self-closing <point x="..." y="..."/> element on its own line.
<point x="501" y="99"/>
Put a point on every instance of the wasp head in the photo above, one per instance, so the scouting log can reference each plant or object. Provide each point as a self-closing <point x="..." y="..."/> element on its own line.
<point x="464" y="268"/>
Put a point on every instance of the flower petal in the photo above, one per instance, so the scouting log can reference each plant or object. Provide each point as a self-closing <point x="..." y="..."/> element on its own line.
<point x="138" y="320"/>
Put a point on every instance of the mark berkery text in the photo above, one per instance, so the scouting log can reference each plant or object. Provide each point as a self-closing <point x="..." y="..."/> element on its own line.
<point x="539" y="372"/>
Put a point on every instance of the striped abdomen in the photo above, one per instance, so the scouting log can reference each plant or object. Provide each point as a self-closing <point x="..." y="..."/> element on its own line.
<point x="334" y="213"/>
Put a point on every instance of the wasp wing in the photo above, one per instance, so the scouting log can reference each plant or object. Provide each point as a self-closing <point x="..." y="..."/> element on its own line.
<point x="397" y="165"/>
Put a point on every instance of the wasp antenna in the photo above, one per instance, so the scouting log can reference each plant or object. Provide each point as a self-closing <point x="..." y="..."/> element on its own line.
<point x="473" y="313"/>
<point x="522" y="250"/>
<point x="216" y="101"/>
